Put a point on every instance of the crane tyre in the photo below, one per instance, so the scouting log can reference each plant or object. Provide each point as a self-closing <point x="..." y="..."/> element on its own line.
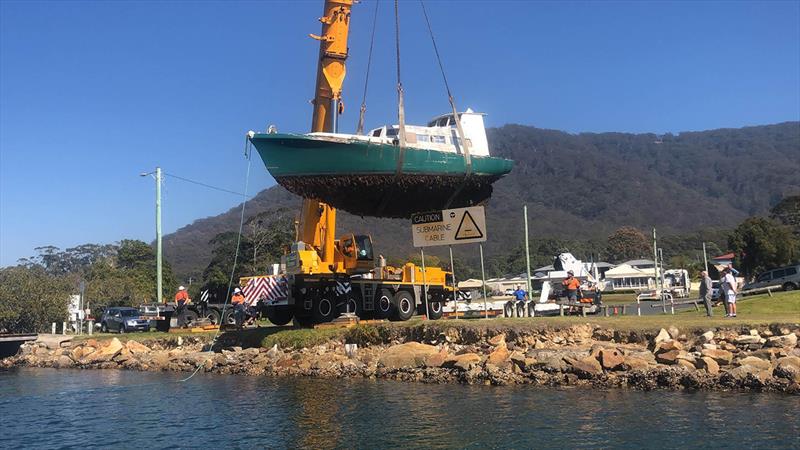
<point x="279" y="315"/>
<point x="324" y="308"/>
<point x="213" y="316"/>
<point x="384" y="304"/>
<point x="435" y="309"/>
<point x="404" y="306"/>
<point x="351" y="302"/>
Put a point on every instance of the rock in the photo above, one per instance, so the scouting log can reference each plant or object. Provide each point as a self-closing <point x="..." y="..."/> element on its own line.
<point x="722" y="357"/>
<point x="663" y="336"/>
<point x="709" y="346"/>
<point x="748" y="339"/>
<point x="788" y="340"/>
<point x="464" y="361"/>
<point x="497" y="340"/>
<point x="410" y="354"/>
<point x="670" y="357"/>
<point x="708" y="364"/>
<point x="136" y="348"/>
<point x="708" y="336"/>
<point x="437" y="359"/>
<point x="586" y="367"/>
<point x="742" y="373"/>
<point x="686" y="364"/>
<point x="755" y="362"/>
<point x="105" y="353"/>
<point x="500" y="356"/>
<point x="788" y="367"/>
<point x="635" y="363"/>
<point x="251" y="352"/>
<point x="673" y="332"/>
<point x="610" y="359"/>
<point x="64" y="362"/>
<point x="668" y="346"/>
<point x="754" y="332"/>
<point x="351" y="350"/>
<point x="274" y="353"/>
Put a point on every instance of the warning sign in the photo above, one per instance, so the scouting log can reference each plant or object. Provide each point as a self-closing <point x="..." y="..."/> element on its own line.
<point x="448" y="227"/>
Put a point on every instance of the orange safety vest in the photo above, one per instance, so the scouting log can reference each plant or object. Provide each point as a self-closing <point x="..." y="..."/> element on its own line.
<point x="237" y="298"/>
<point x="182" y="295"/>
<point x="571" y="284"/>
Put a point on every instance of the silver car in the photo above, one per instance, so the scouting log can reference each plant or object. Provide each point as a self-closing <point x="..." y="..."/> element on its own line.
<point x="788" y="278"/>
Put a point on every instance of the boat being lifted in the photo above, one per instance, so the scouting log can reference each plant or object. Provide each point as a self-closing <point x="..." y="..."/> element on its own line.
<point x="380" y="173"/>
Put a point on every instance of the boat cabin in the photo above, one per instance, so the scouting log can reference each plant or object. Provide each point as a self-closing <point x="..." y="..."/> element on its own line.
<point x="441" y="134"/>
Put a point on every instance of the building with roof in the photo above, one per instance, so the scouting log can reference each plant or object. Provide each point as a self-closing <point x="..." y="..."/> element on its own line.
<point x="627" y="277"/>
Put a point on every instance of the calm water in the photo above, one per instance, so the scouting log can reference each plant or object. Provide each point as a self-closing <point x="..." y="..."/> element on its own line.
<point x="118" y="409"/>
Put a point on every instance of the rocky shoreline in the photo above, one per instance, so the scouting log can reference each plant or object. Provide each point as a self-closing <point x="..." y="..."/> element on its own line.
<point x="765" y="359"/>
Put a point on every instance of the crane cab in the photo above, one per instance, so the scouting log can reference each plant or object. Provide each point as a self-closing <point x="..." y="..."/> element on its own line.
<point x="357" y="254"/>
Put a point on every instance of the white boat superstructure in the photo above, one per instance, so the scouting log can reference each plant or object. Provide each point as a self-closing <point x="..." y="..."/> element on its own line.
<point x="441" y="134"/>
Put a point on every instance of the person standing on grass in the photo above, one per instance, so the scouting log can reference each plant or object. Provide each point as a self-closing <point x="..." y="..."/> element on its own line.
<point x="705" y="292"/>
<point x="729" y="287"/>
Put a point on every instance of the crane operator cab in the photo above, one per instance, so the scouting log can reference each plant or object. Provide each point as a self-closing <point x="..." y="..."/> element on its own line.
<point x="357" y="253"/>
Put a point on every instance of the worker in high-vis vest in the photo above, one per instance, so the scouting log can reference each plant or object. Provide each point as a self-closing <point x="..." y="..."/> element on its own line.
<point x="237" y="301"/>
<point x="181" y="300"/>
<point x="571" y="286"/>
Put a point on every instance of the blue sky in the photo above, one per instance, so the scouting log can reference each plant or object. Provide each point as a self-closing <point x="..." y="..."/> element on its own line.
<point x="93" y="93"/>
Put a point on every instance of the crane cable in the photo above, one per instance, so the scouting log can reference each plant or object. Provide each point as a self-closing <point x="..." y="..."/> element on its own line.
<point x="360" y="128"/>
<point x="464" y="144"/>
<point x="247" y="154"/>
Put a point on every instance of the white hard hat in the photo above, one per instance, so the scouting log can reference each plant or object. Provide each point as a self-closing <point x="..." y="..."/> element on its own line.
<point x="181" y="288"/>
<point x="237" y="290"/>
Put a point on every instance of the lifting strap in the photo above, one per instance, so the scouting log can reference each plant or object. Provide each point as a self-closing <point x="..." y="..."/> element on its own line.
<point x="360" y="128"/>
<point x="464" y="143"/>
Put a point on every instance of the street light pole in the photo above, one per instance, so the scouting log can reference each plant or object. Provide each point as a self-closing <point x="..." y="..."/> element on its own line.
<point x="160" y="297"/>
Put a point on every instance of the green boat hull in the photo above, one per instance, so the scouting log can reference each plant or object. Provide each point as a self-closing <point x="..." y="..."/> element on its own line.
<point x="362" y="178"/>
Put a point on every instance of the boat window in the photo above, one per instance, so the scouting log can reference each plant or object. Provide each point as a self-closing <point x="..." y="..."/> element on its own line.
<point x="392" y="132"/>
<point x="442" y="122"/>
<point x="376" y="133"/>
<point x="423" y="138"/>
<point x="438" y="140"/>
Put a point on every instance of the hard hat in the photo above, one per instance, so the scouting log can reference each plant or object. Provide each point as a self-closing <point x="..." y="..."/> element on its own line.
<point x="237" y="290"/>
<point x="570" y="273"/>
<point x="181" y="288"/>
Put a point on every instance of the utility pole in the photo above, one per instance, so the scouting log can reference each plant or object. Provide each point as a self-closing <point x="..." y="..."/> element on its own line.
<point x="527" y="253"/>
<point x="158" y="237"/>
<point x="705" y="258"/>
<point x="655" y="271"/>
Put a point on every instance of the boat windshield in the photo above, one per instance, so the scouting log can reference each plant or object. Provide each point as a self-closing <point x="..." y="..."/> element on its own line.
<point x="392" y="132"/>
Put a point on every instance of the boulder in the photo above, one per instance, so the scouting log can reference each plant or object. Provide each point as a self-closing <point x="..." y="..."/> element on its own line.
<point x="274" y="352"/>
<point x="685" y="363"/>
<point x="64" y="362"/>
<point x="437" y="359"/>
<point x="464" y="361"/>
<point x="136" y="348"/>
<point x="586" y="367"/>
<point x="670" y="357"/>
<point x="742" y="373"/>
<point x="662" y="336"/>
<point x="668" y="346"/>
<point x="500" y="356"/>
<point x="636" y="363"/>
<point x="708" y="364"/>
<point x="722" y="357"/>
<point x="673" y="332"/>
<point x="610" y="359"/>
<point x="410" y="354"/>
<point x="498" y="339"/>
<point x="788" y="367"/>
<point x="105" y="353"/>
<point x="710" y="346"/>
<point x="788" y="340"/>
<point x="748" y="339"/>
<point x="754" y="332"/>
<point x="707" y="337"/>
<point x="755" y="362"/>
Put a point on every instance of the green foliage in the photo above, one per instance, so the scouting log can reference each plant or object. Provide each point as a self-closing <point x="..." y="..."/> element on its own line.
<point x="627" y="243"/>
<point x="301" y="338"/>
<point x="787" y="212"/>
<point x="364" y="335"/>
<point x="31" y="299"/>
<point x="761" y="244"/>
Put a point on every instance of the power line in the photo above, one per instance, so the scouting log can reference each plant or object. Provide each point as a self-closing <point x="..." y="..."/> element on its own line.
<point x="205" y="185"/>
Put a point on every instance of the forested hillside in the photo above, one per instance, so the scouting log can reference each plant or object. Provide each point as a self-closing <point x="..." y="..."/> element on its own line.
<point x="579" y="188"/>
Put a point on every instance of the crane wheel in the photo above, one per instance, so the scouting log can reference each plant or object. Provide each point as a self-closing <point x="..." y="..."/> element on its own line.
<point x="324" y="309"/>
<point x="384" y="304"/>
<point x="351" y="303"/>
<point x="404" y="306"/>
<point x="213" y="316"/>
<point x="435" y="310"/>
<point x="279" y="315"/>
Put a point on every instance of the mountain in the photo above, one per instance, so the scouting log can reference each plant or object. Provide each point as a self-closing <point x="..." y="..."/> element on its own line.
<point x="580" y="186"/>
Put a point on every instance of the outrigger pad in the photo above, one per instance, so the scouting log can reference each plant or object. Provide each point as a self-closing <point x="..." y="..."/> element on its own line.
<point x="390" y="195"/>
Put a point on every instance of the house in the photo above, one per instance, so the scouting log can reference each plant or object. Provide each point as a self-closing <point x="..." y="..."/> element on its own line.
<point x="627" y="277"/>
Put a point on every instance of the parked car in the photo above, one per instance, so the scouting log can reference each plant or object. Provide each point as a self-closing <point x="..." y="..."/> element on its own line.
<point x="788" y="278"/>
<point x="509" y="291"/>
<point x="122" y="320"/>
<point x="715" y="290"/>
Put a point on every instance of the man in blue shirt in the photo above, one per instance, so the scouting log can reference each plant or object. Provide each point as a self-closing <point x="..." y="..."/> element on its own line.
<point x="520" y="295"/>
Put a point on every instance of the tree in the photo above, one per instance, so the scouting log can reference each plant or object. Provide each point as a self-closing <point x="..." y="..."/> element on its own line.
<point x="627" y="243"/>
<point x="787" y="212"/>
<point x="31" y="299"/>
<point x="761" y="243"/>
<point x="268" y="234"/>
